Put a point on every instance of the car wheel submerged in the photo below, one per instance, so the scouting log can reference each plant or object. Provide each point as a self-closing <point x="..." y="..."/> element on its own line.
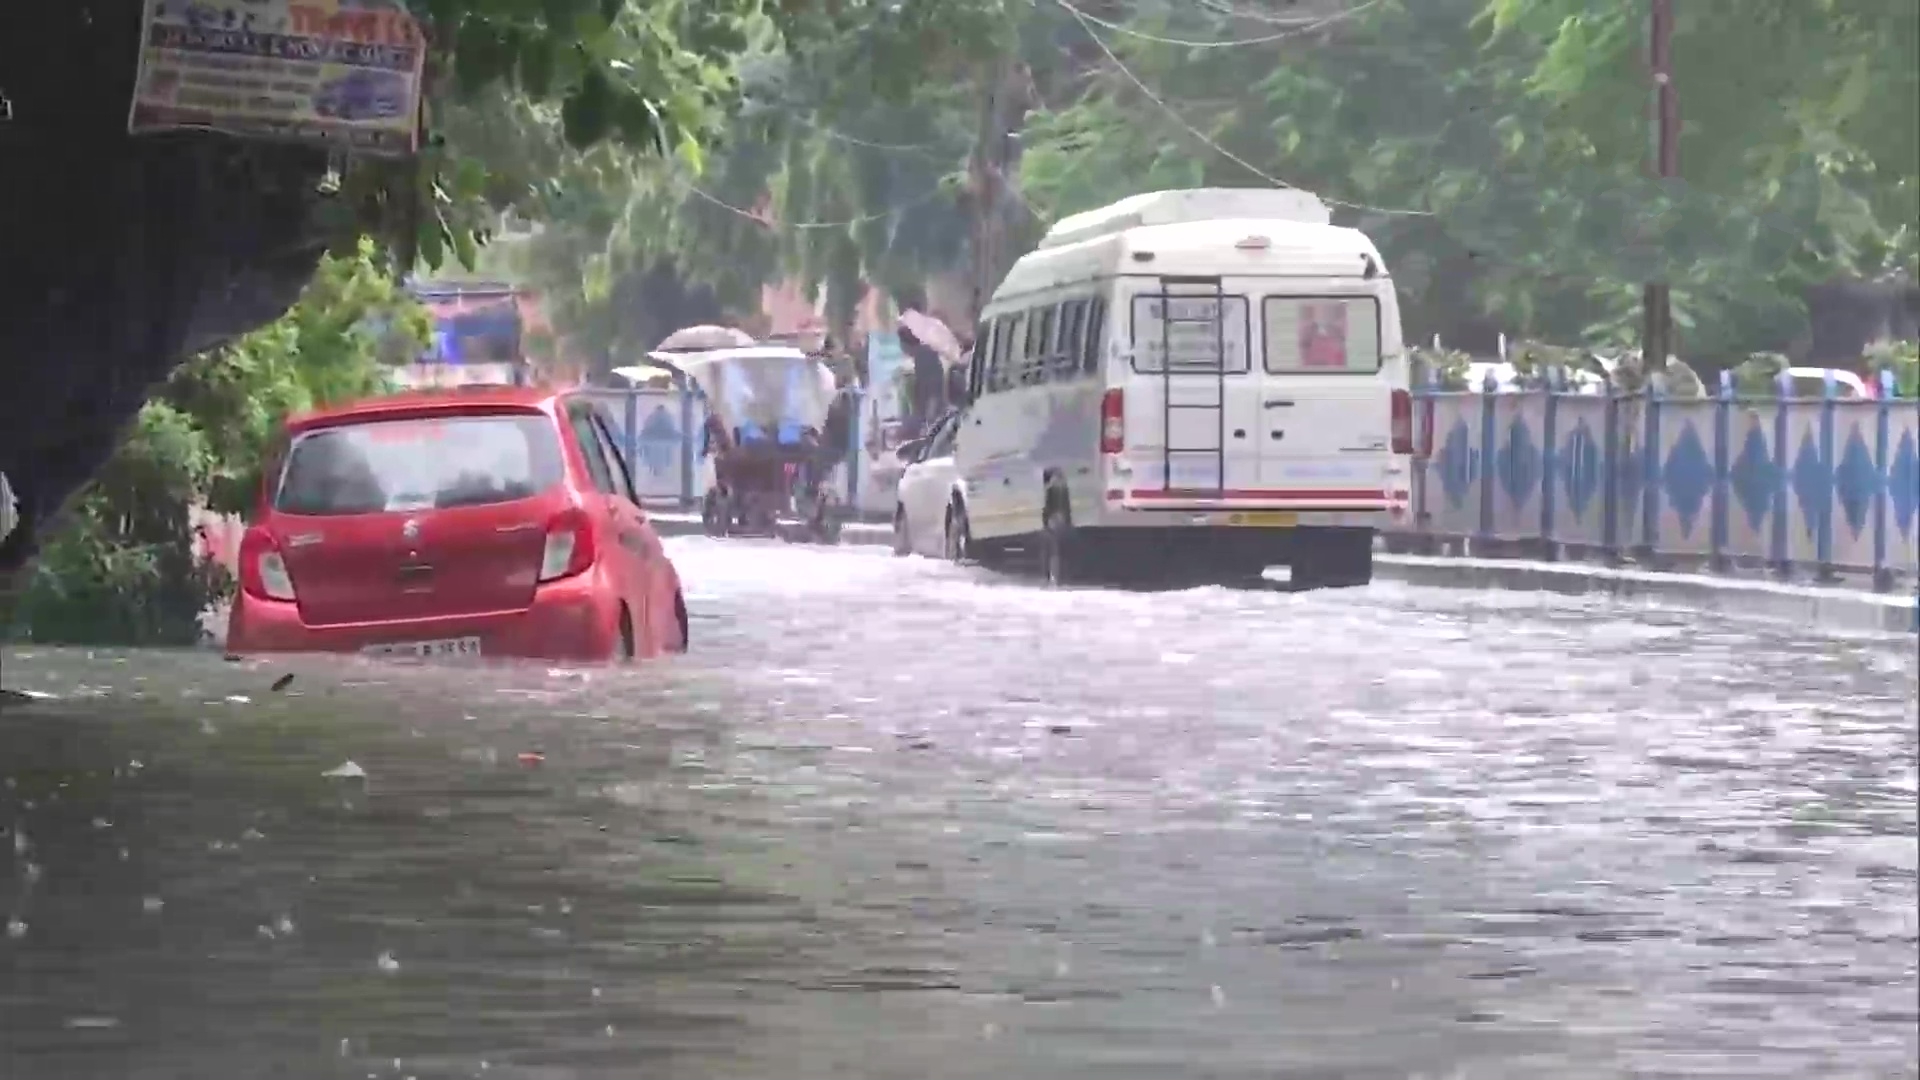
<point x="626" y="648"/>
<point x="902" y="541"/>
<point x="959" y="539"/>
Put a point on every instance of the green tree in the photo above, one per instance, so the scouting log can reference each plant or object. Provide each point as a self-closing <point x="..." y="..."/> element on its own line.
<point x="124" y="566"/>
<point x="141" y="252"/>
<point x="1498" y="154"/>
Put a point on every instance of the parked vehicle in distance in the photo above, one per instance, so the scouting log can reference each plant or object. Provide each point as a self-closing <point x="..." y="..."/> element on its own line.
<point x="1811" y="383"/>
<point x="1195" y="382"/>
<point x="922" y="521"/>
<point x="479" y="521"/>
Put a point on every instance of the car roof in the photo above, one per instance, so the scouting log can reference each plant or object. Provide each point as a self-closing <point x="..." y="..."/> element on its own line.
<point x="450" y="399"/>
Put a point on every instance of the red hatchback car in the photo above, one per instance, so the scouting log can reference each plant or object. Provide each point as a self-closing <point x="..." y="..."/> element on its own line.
<point x="482" y="521"/>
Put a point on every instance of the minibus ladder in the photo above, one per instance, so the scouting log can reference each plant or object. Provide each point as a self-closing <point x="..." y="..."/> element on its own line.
<point x="1194" y="392"/>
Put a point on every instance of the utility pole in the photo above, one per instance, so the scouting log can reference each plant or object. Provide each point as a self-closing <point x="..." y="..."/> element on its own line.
<point x="1003" y="102"/>
<point x="1657" y="300"/>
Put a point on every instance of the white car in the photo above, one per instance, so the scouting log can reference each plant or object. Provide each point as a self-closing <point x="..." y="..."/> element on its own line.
<point x="921" y="523"/>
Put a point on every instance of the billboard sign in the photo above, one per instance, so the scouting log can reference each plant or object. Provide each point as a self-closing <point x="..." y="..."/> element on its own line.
<point x="337" y="72"/>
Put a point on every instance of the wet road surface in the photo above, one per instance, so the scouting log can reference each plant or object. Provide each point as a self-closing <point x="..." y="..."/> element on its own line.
<point x="895" y="820"/>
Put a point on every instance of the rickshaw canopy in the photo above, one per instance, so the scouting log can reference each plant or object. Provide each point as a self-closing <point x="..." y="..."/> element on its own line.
<point x="773" y="391"/>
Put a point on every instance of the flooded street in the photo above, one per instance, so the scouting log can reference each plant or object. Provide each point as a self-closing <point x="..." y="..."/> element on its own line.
<point x="894" y="820"/>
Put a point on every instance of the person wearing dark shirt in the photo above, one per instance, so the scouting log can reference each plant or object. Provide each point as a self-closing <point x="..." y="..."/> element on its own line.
<point x="929" y="382"/>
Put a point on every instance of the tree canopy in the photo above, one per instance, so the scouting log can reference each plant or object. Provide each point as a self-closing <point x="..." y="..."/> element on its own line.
<point x="1496" y="149"/>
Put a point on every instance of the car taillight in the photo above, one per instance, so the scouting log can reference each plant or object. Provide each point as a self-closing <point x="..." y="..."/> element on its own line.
<point x="1113" y="422"/>
<point x="263" y="570"/>
<point x="569" y="549"/>
<point x="1402" y="422"/>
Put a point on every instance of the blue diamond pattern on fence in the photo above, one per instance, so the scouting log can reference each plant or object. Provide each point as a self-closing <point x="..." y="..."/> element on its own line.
<point x="1903" y="484"/>
<point x="1754" y="478"/>
<point x="1687" y="478"/>
<point x="1856" y="482"/>
<point x="1459" y="462"/>
<point x="1580" y="468"/>
<point x="1811" y="480"/>
<point x="1629" y="477"/>
<point x="1519" y="463"/>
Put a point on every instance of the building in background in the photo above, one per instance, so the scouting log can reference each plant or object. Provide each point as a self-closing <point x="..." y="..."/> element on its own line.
<point x="485" y="332"/>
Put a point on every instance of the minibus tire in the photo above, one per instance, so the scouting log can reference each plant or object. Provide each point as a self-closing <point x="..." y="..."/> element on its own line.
<point x="1058" y="562"/>
<point x="1334" y="559"/>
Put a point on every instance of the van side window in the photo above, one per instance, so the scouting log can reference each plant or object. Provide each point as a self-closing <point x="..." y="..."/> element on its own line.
<point x="1039" y="343"/>
<point x="1065" y="362"/>
<point x="982" y="357"/>
<point x="1095" y="332"/>
<point x="1008" y="352"/>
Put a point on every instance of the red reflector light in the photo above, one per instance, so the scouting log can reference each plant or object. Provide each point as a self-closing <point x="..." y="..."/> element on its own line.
<point x="1113" y="422"/>
<point x="1402" y="422"/>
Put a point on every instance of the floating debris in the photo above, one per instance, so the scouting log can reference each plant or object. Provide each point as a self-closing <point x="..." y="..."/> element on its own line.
<point x="387" y="963"/>
<point x="346" y="770"/>
<point x="239" y="699"/>
<point x="532" y="757"/>
<point x="282" y="682"/>
<point x="92" y="1023"/>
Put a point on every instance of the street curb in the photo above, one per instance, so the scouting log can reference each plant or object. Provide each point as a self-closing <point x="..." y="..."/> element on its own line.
<point x="1833" y="609"/>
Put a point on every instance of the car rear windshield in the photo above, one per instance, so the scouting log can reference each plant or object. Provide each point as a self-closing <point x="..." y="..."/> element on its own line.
<point x="420" y="464"/>
<point x="1313" y="335"/>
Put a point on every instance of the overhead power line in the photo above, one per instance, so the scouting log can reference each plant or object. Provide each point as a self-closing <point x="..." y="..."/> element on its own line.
<point x="1087" y="25"/>
<point x="805" y="226"/>
<point x="1295" y="28"/>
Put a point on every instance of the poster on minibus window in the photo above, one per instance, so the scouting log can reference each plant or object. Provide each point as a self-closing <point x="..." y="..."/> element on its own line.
<point x="1323" y="335"/>
<point x="1314" y="334"/>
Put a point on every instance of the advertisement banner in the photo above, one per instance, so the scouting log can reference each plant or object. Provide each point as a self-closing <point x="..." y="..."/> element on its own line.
<point x="340" y="72"/>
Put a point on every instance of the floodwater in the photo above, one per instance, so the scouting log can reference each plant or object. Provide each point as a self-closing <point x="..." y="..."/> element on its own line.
<point x="895" y="820"/>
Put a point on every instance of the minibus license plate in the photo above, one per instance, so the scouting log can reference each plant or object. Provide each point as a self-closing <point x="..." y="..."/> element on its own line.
<point x="1268" y="518"/>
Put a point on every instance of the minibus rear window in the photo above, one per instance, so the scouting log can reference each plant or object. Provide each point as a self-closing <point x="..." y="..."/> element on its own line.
<point x="1205" y="334"/>
<point x="1314" y="335"/>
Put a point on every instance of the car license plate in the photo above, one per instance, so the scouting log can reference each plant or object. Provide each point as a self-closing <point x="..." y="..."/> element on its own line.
<point x="431" y="650"/>
<point x="1268" y="518"/>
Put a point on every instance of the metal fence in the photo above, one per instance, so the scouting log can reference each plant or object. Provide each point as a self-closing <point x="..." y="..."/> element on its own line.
<point x="659" y="432"/>
<point x="1810" y="488"/>
<point x="1816" y="489"/>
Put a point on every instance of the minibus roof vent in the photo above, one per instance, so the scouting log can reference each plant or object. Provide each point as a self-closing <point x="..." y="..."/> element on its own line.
<point x="1180" y="206"/>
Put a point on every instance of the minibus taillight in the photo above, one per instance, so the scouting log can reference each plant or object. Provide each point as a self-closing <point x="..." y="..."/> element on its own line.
<point x="1113" y="422"/>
